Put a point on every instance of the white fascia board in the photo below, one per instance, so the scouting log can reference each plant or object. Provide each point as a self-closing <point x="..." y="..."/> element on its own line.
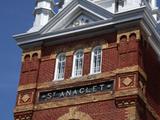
<point x="25" y="35"/>
<point x="94" y="25"/>
<point x="79" y="30"/>
<point x="82" y="28"/>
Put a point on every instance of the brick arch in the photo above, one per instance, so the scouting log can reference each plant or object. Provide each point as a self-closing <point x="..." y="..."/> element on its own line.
<point x="123" y="38"/>
<point x="132" y="36"/>
<point x="34" y="56"/>
<point x="27" y="57"/>
<point x="74" y="114"/>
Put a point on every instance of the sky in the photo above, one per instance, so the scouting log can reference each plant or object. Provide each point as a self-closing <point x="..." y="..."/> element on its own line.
<point x="16" y="16"/>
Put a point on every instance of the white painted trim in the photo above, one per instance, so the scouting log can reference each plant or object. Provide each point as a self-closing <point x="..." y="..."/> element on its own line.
<point x="105" y="23"/>
<point x="73" y="65"/>
<point x="56" y="67"/>
<point x="92" y="58"/>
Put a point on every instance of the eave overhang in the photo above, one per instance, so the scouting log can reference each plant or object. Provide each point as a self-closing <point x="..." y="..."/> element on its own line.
<point x="141" y="17"/>
<point x="28" y="38"/>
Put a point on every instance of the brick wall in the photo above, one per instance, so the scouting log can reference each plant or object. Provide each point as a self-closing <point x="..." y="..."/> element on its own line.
<point x="47" y="65"/>
<point x="29" y="70"/>
<point x="46" y="71"/>
<point x="105" y="110"/>
<point x="152" y="67"/>
<point x="87" y="62"/>
<point x="68" y="67"/>
<point x="115" y="55"/>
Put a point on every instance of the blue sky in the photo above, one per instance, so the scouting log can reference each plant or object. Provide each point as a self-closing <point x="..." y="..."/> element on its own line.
<point x="16" y="17"/>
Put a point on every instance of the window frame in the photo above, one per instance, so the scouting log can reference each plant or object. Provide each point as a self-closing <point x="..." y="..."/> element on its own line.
<point x="74" y="62"/>
<point x="56" y="67"/>
<point x="92" y="61"/>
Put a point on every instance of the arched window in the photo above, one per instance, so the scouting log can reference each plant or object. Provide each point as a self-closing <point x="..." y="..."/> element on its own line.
<point x="78" y="64"/>
<point x="60" y="67"/>
<point x="96" y="60"/>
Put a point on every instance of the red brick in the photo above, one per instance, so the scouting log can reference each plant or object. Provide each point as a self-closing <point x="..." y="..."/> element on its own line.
<point x="87" y="62"/>
<point x="68" y="67"/>
<point x="46" y="71"/>
<point x="105" y="110"/>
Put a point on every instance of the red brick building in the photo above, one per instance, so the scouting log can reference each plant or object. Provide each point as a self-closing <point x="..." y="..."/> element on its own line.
<point x="93" y="60"/>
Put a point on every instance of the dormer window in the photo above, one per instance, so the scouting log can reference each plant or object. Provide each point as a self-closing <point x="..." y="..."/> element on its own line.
<point x="96" y="60"/>
<point x="60" y="67"/>
<point x="78" y="64"/>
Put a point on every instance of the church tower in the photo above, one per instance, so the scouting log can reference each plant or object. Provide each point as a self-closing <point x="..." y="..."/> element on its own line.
<point x="91" y="60"/>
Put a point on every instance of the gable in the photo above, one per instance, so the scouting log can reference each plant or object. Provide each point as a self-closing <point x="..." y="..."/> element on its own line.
<point x="78" y="12"/>
<point x="76" y="16"/>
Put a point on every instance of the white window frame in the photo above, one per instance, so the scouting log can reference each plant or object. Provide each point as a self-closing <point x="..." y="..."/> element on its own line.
<point x="74" y="75"/>
<point x="92" y="61"/>
<point x="56" y="67"/>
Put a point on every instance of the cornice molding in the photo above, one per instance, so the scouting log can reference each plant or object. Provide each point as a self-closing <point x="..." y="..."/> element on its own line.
<point x="117" y="19"/>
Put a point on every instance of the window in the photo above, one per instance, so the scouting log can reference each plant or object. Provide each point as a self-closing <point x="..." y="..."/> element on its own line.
<point x="96" y="60"/>
<point x="60" y="66"/>
<point x="77" y="64"/>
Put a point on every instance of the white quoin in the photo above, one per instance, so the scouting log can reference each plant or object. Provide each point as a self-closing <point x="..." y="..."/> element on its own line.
<point x="43" y="12"/>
